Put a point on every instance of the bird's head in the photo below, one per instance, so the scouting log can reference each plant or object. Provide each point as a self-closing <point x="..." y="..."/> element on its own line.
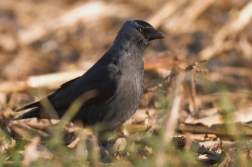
<point x="138" y="31"/>
<point x="146" y="30"/>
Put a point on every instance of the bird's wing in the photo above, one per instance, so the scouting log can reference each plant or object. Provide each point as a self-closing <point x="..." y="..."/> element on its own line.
<point x="102" y="79"/>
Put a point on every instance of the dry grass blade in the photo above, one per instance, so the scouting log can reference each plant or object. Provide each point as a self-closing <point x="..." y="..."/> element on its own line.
<point x="171" y="122"/>
<point x="77" y="103"/>
<point x="94" y="152"/>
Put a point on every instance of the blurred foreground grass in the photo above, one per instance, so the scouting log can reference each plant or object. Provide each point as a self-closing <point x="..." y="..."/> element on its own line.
<point x="206" y="108"/>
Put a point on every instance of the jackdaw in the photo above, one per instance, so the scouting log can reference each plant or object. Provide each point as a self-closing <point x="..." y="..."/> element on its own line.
<point x="117" y="78"/>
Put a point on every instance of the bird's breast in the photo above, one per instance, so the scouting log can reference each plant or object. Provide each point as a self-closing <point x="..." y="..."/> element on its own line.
<point x="131" y="86"/>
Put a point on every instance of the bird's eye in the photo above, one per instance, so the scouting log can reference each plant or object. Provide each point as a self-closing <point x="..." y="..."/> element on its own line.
<point x="141" y="29"/>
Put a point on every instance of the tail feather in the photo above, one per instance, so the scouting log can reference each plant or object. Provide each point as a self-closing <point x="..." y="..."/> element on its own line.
<point x="30" y="114"/>
<point x="36" y="104"/>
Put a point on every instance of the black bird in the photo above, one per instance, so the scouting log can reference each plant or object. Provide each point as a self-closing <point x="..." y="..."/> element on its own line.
<point x="117" y="77"/>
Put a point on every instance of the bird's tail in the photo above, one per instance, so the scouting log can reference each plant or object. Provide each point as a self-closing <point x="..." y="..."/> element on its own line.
<point x="30" y="114"/>
<point x="36" y="104"/>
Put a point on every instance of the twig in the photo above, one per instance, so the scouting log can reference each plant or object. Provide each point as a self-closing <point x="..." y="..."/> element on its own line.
<point x="194" y="68"/>
<point x="174" y="72"/>
<point x="193" y="89"/>
<point x="245" y="129"/>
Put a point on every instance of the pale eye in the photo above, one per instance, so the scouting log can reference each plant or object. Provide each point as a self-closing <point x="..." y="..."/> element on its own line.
<point x="141" y="29"/>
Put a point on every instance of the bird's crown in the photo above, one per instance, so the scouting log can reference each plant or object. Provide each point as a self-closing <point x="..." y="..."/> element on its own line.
<point x="143" y="23"/>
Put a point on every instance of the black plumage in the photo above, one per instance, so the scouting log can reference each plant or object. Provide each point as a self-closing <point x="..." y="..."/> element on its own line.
<point x="117" y="77"/>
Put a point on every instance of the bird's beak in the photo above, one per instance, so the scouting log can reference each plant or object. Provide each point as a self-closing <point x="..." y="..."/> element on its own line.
<point x="152" y="34"/>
